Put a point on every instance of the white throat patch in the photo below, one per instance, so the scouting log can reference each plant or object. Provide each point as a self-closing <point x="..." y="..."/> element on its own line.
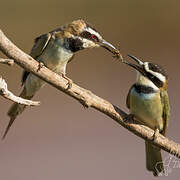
<point x="88" y="43"/>
<point x="142" y="80"/>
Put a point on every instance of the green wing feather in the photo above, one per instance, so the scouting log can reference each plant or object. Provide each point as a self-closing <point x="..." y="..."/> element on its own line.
<point x="166" y="109"/>
<point x="40" y="44"/>
<point x="128" y="98"/>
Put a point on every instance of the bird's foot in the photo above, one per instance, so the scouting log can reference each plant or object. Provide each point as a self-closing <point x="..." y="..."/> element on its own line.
<point x="156" y="132"/>
<point x="70" y="82"/>
<point x="129" y="119"/>
<point x="41" y="65"/>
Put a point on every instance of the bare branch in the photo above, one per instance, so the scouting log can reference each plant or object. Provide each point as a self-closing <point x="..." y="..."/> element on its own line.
<point x="84" y="96"/>
<point x="9" y="95"/>
<point x="9" y="62"/>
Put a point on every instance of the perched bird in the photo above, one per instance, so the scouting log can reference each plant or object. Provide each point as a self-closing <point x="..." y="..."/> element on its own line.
<point x="55" y="49"/>
<point x="149" y="105"/>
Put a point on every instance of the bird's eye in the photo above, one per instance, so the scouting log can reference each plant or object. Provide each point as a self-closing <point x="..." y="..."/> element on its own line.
<point x="89" y="36"/>
<point x="94" y="37"/>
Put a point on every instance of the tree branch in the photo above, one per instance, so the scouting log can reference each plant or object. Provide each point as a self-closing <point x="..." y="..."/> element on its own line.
<point x="84" y="96"/>
<point x="9" y="62"/>
<point x="9" y="95"/>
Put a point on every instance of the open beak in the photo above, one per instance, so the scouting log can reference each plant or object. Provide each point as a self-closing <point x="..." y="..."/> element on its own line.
<point x="108" y="46"/>
<point x="138" y="67"/>
<point x="136" y="59"/>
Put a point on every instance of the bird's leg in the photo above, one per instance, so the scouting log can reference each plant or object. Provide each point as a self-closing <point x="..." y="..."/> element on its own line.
<point x="69" y="81"/>
<point x="41" y="65"/>
<point x="129" y="119"/>
<point x="156" y="132"/>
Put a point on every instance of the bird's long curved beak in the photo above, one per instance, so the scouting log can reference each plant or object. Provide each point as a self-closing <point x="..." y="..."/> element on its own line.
<point x="138" y="67"/>
<point x="108" y="46"/>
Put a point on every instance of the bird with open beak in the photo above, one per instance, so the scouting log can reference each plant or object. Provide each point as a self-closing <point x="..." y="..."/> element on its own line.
<point x="148" y="103"/>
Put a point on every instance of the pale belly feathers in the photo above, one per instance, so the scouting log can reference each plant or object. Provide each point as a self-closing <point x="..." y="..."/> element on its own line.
<point x="55" y="58"/>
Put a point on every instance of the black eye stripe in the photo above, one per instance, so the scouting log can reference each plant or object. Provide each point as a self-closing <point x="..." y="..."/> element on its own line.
<point x="88" y="35"/>
<point x="158" y="69"/>
<point x="155" y="80"/>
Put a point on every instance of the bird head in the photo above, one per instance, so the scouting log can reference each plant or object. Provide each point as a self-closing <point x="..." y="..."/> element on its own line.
<point x="149" y="74"/>
<point x="80" y="35"/>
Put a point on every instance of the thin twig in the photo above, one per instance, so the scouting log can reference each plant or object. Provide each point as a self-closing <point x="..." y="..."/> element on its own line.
<point x="84" y="96"/>
<point x="9" y="62"/>
<point x="9" y="95"/>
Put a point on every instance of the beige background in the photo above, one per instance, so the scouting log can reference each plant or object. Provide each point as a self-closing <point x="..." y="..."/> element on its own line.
<point x="62" y="140"/>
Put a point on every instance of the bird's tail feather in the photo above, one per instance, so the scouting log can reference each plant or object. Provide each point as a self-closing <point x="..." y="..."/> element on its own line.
<point x="15" y="110"/>
<point x="154" y="161"/>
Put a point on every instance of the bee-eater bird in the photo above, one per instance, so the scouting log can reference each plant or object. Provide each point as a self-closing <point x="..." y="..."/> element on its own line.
<point x="55" y="49"/>
<point x="149" y="105"/>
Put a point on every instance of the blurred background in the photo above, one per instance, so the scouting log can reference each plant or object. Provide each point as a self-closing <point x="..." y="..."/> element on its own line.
<point x="62" y="140"/>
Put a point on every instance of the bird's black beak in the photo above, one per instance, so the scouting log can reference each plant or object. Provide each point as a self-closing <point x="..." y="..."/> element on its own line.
<point x="139" y="67"/>
<point x="108" y="46"/>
